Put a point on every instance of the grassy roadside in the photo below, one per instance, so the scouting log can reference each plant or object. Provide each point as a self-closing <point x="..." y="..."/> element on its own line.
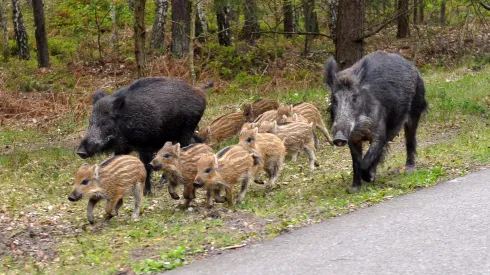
<point x="47" y="234"/>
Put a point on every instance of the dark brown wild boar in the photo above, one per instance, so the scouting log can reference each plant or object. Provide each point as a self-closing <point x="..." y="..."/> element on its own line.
<point x="113" y="179"/>
<point x="179" y="167"/>
<point x="228" y="167"/>
<point x="258" y="107"/>
<point x="221" y="129"/>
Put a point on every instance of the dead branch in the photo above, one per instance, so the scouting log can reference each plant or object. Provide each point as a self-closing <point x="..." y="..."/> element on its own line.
<point x="485" y="6"/>
<point x="298" y="33"/>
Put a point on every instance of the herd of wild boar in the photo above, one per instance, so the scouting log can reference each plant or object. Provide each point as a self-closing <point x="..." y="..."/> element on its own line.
<point x="158" y="118"/>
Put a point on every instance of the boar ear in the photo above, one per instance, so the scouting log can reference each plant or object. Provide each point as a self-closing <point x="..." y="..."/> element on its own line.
<point x="119" y="103"/>
<point x="253" y="125"/>
<point x="256" y="131"/>
<point x="208" y="130"/>
<point x="361" y="75"/>
<point x="291" y="108"/>
<point x="215" y="161"/>
<point x="98" y="95"/>
<point x="177" y="149"/>
<point x="274" y="127"/>
<point x="331" y="78"/>
<point x="167" y="144"/>
<point x="295" y="117"/>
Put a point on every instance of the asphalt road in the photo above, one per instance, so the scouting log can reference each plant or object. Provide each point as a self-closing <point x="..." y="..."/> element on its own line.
<point x="440" y="230"/>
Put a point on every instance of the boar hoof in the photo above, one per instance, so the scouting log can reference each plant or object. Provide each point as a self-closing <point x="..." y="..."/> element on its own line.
<point x="175" y="196"/>
<point x="259" y="181"/>
<point x="369" y="176"/>
<point x="220" y="199"/>
<point x="317" y="164"/>
<point x="409" y="169"/>
<point x="354" y="189"/>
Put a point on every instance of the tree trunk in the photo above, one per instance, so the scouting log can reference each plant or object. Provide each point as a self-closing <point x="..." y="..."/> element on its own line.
<point x="41" y="39"/>
<point x="139" y="36"/>
<point x="20" y="31"/>
<point x="131" y="4"/>
<point x="287" y="8"/>
<point x="443" y="13"/>
<point x="181" y="17"/>
<point x="4" y="39"/>
<point x="333" y="7"/>
<point x="251" y="27"/>
<point x="224" y="17"/>
<point x="158" y="30"/>
<point x="415" y="7"/>
<point x="349" y="46"/>
<point x="311" y="23"/>
<point x="201" y="22"/>
<point x="114" y="39"/>
<point x="192" y="36"/>
<point x="421" y="11"/>
<point x="403" y="19"/>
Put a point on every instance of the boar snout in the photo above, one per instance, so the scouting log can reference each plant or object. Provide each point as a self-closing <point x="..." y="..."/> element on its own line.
<point x="198" y="183"/>
<point x="339" y="139"/>
<point x="75" y="196"/>
<point x="81" y="152"/>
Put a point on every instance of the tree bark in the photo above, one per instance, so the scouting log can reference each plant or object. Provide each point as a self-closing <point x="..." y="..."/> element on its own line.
<point x="224" y="17"/>
<point x="191" y="40"/>
<point x="333" y="7"/>
<point x="139" y="36"/>
<point x="4" y="39"/>
<point x="421" y="11"/>
<point x="201" y="21"/>
<point x="181" y="17"/>
<point x="415" y="8"/>
<point x="311" y="23"/>
<point x="114" y="39"/>
<point x="403" y="19"/>
<point x="41" y="39"/>
<point x="349" y="46"/>
<point x="251" y="28"/>
<point x="443" y="13"/>
<point x="20" y="31"/>
<point x="287" y="8"/>
<point x="158" y="30"/>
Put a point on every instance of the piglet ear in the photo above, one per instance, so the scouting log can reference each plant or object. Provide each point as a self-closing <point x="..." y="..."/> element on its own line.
<point x="331" y="78"/>
<point x="274" y="127"/>
<point x="215" y="161"/>
<point x="256" y="131"/>
<point x="167" y="144"/>
<point x="177" y="149"/>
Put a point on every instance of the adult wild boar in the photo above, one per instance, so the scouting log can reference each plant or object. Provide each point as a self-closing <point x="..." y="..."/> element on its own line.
<point x="372" y="101"/>
<point x="142" y="117"/>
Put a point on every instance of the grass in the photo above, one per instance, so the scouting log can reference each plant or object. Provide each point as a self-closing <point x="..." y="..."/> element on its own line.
<point x="36" y="180"/>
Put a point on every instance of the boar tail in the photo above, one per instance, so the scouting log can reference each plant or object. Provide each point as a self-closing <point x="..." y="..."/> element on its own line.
<point x="208" y="85"/>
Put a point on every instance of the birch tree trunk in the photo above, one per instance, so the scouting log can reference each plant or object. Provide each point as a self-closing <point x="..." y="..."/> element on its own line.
<point x="41" y="39"/>
<point x="139" y="36"/>
<point x="158" y="30"/>
<point x="202" y="23"/>
<point x="224" y="17"/>
<point x="20" y="31"/>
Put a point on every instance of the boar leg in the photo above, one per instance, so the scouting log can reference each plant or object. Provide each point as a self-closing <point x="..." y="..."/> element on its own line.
<point x="243" y="190"/>
<point x="411" y="141"/>
<point x="118" y="205"/>
<point x="229" y="195"/>
<point x="325" y="133"/>
<point x="217" y="196"/>
<point x="110" y="208"/>
<point x="356" y="153"/>
<point x="370" y="161"/>
<point x="209" y="197"/>
<point x="311" y="156"/>
<point x="294" y="156"/>
<point x="146" y="157"/>
<point x="90" y="209"/>
<point x="138" y="199"/>
<point x="315" y="138"/>
<point x="171" y="190"/>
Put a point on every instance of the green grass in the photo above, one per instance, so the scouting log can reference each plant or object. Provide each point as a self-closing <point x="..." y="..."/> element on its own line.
<point x="36" y="180"/>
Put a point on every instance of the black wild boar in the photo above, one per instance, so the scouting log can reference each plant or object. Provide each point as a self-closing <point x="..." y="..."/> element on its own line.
<point x="142" y="117"/>
<point x="372" y="101"/>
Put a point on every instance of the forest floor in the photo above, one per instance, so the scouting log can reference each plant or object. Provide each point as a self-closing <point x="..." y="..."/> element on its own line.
<point x="42" y="232"/>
